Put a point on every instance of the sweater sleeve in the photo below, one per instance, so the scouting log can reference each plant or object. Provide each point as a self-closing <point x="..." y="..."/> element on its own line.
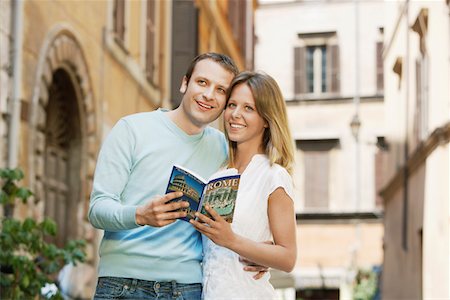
<point x="107" y="209"/>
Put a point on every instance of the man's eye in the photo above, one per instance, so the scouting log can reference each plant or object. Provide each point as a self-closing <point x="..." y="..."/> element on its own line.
<point x="201" y="82"/>
<point x="222" y="91"/>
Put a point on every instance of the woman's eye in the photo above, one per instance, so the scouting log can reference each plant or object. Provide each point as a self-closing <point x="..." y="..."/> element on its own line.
<point x="249" y="108"/>
<point x="201" y="82"/>
<point x="231" y="105"/>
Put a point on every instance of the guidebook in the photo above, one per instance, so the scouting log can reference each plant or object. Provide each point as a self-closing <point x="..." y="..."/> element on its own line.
<point x="219" y="193"/>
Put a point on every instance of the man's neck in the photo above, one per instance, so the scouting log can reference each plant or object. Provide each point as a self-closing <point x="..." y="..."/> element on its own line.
<point x="179" y="117"/>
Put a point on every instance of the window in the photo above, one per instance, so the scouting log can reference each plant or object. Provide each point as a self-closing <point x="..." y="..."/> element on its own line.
<point x="184" y="43"/>
<point x="380" y="169"/>
<point x="316" y="155"/>
<point x="420" y="26"/>
<point x="237" y="17"/>
<point x="150" y="49"/>
<point x="316" y="64"/>
<point x="316" y="179"/>
<point x="380" y="78"/>
<point x="421" y="109"/>
<point x="119" y="21"/>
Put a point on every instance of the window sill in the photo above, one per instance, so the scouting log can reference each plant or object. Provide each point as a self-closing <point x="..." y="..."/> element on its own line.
<point x="341" y="217"/>
<point x="117" y="50"/>
<point x="305" y="98"/>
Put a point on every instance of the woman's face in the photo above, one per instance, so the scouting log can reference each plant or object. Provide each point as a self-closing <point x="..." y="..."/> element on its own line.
<point x="243" y="123"/>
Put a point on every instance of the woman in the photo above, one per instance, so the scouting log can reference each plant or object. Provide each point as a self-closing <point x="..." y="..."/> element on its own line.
<point x="261" y="151"/>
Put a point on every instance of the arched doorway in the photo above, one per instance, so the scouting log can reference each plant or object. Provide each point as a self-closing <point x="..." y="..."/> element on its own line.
<point x="63" y="132"/>
<point x="63" y="145"/>
<point x="62" y="184"/>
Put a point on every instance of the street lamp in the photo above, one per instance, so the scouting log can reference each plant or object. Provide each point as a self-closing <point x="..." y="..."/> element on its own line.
<point x="355" y="124"/>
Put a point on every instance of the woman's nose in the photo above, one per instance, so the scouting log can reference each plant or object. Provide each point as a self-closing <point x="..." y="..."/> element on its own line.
<point x="236" y="113"/>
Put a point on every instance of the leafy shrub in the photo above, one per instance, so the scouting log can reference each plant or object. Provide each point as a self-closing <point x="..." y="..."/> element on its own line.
<point x="366" y="285"/>
<point x="28" y="262"/>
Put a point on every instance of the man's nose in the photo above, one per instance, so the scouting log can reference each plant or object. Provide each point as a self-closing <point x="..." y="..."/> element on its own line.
<point x="209" y="93"/>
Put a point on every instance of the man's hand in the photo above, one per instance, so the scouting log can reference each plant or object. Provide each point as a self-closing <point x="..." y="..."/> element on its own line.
<point x="252" y="267"/>
<point x="158" y="212"/>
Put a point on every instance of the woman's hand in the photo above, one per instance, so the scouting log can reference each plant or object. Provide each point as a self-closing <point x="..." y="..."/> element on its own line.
<point x="216" y="228"/>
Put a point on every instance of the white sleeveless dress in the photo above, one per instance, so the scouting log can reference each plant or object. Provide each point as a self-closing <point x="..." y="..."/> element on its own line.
<point x="223" y="274"/>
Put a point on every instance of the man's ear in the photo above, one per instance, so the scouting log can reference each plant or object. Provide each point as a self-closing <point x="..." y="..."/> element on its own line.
<point x="184" y="84"/>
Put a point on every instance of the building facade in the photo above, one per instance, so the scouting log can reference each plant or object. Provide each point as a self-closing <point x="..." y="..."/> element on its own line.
<point x="84" y="65"/>
<point x="5" y="70"/>
<point x="417" y="187"/>
<point x="331" y="76"/>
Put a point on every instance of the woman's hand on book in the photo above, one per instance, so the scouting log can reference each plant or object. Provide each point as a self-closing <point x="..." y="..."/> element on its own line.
<point x="216" y="228"/>
<point x="159" y="211"/>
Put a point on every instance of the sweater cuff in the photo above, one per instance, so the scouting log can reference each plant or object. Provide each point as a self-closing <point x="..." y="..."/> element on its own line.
<point x="129" y="216"/>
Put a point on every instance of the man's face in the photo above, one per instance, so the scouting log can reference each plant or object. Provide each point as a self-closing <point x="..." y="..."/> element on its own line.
<point x="205" y="95"/>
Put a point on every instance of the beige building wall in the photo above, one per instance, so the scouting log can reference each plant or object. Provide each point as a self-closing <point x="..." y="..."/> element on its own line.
<point x="5" y="32"/>
<point x="333" y="242"/>
<point x="109" y="81"/>
<point x="327" y="251"/>
<point x="417" y="76"/>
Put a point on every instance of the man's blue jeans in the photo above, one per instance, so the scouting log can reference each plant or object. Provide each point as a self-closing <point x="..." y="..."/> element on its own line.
<point x="126" y="288"/>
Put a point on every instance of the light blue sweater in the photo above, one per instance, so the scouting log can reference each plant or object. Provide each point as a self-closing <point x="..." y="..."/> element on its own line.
<point x="133" y="166"/>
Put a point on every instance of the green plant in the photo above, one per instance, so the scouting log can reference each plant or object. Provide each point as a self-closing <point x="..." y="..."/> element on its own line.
<point x="28" y="262"/>
<point x="365" y="286"/>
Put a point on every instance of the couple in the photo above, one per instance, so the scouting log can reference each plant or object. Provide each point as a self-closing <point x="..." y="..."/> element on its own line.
<point x="146" y="253"/>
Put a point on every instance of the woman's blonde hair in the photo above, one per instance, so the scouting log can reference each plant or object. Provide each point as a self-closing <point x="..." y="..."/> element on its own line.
<point x="269" y="101"/>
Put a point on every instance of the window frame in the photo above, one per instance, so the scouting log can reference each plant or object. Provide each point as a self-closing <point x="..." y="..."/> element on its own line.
<point x="319" y="41"/>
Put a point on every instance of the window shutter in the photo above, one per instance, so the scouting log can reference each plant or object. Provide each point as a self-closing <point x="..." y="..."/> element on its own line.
<point x="150" y="45"/>
<point x="316" y="179"/>
<point x="317" y="171"/>
<point x="379" y="59"/>
<point x="418" y="109"/>
<point x="242" y="27"/>
<point x="184" y="44"/>
<point x="379" y="176"/>
<point x="237" y="18"/>
<point x="299" y="71"/>
<point x="119" y="20"/>
<point x="335" y="78"/>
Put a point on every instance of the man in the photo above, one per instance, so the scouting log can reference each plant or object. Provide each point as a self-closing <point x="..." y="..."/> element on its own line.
<point x="133" y="168"/>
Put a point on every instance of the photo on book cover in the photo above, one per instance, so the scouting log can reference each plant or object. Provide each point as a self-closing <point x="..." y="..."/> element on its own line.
<point x="221" y="194"/>
<point x="192" y="187"/>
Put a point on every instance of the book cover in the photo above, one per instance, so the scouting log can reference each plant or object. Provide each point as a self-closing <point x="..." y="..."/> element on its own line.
<point x="220" y="193"/>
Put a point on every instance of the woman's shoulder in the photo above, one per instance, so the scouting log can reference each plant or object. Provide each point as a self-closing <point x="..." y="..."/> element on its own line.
<point x="273" y="168"/>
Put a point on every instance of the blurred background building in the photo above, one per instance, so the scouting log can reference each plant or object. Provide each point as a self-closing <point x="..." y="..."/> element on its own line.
<point x="417" y="187"/>
<point x="326" y="56"/>
<point x="5" y="71"/>
<point x="367" y="85"/>
<point x="71" y="69"/>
